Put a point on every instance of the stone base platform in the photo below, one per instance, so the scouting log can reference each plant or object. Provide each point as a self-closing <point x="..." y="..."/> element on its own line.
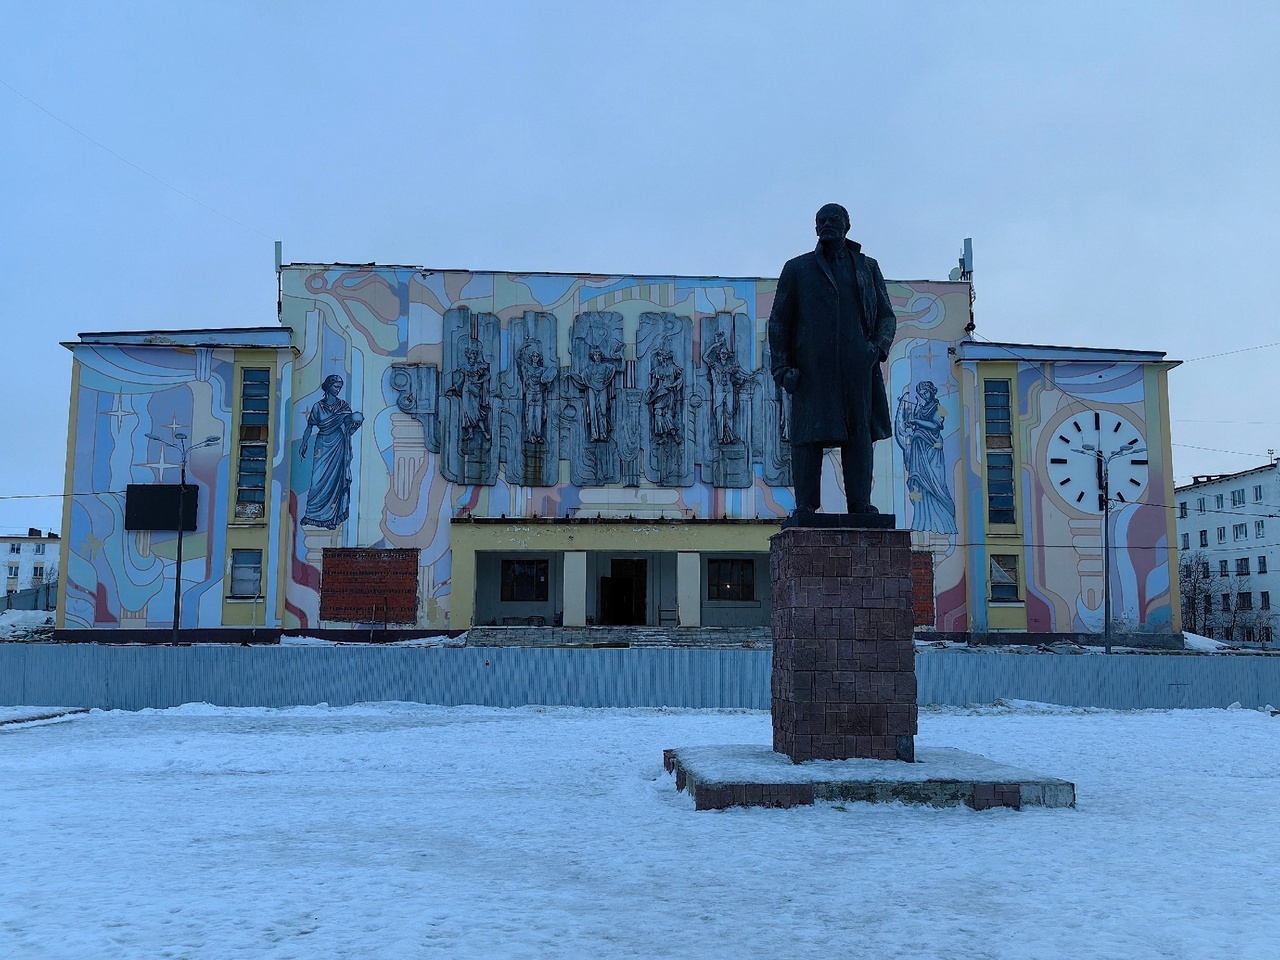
<point x="751" y="775"/>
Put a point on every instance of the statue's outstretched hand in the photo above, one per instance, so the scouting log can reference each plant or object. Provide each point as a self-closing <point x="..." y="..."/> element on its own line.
<point x="791" y="380"/>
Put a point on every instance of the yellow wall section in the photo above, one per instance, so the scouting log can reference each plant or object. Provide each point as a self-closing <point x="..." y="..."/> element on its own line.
<point x="1160" y="455"/>
<point x="1002" y="370"/>
<point x="1007" y="616"/>
<point x="467" y="539"/>
<point x="248" y="534"/>
<point x="64" y="547"/>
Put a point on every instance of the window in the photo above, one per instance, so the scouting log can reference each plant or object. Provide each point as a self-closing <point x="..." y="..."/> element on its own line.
<point x="1239" y="531"/>
<point x="1257" y="493"/>
<point x="1242" y="566"/>
<point x="1182" y="509"/>
<point x="731" y="579"/>
<point x="1004" y="578"/>
<point x="996" y="406"/>
<point x="1248" y="634"/>
<point x="37" y="573"/>
<point x="1186" y="541"/>
<point x="255" y="396"/>
<point x="1226" y="603"/>
<point x="1000" y="488"/>
<point x="251" y="481"/>
<point x="1259" y="530"/>
<point x="1200" y="504"/>
<point x="13" y="571"/>
<point x="1237" y="497"/>
<point x="1217" y="501"/>
<point x="39" y="549"/>
<point x="1208" y="604"/>
<point x="525" y="579"/>
<point x="1244" y="601"/>
<point x="1266" y="633"/>
<point x="251" y="475"/>
<point x="1204" y="538"/>
<point x="15" y="548"/>
<point x="1222" y="534"/>
<point x="1264" y="600"/>
<point x="1222" y="568"/>
<point x="246" y="573"/>
<point x="1262" y="564"/>
<point x="1204" y="569"/>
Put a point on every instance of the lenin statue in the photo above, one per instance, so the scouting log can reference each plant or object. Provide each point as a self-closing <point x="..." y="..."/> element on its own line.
<point x="830" y="329"/>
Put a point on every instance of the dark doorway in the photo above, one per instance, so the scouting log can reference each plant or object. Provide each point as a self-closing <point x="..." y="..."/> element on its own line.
<point x="624" y="595"/>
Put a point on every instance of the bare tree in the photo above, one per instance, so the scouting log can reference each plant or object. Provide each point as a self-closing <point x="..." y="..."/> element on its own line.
<point x="1198" y="584"/>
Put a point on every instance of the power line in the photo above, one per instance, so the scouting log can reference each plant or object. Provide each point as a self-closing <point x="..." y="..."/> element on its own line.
<point x="1230" y="353"/>
<point x="1242" y="453"/>
<point x="59" y="496"/>
<point x="135" y="166"/>
<point x="1245" y="423"/>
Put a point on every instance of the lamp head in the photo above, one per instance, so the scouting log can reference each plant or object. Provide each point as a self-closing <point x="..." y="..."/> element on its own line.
<point x="180" y="436"/>
<point x="152" y="436"/>
<point x="212" y="439"/>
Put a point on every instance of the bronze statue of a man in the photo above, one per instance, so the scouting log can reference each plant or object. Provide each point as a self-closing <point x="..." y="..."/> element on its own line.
<point x="830" y="329"/>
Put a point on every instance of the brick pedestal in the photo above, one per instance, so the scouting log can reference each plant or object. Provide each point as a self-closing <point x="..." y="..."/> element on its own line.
<point x="844" y="678"/>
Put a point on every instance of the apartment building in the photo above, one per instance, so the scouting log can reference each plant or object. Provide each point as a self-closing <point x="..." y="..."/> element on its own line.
<point x="29" y="560"/>
<point x="1228" y="542"/>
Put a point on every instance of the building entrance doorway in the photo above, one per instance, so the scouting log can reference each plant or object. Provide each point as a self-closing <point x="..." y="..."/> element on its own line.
<point x="624" y="599"/>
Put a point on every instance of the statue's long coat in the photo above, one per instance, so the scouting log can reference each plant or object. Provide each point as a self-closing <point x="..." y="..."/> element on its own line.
<point x="804" y="333"/>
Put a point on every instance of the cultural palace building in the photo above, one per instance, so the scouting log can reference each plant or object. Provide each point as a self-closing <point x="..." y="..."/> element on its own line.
<point x="437" y="449"/>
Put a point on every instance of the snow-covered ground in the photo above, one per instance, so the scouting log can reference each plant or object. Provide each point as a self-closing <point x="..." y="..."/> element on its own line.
<point x="403" y="831"/>
<point x="22" y="623"/>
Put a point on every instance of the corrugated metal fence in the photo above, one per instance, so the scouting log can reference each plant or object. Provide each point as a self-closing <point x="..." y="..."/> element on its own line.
<point x="130" y="678"/>
<point x="42" y="597"/>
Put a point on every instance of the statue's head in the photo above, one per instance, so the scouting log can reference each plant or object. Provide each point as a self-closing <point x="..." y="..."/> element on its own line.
<point x="831" y="222"/>
<point x="332" y="384"/>
<point x="926" y="390"/>
<point x="472" y="350"/>
<point x="596" y="354"/>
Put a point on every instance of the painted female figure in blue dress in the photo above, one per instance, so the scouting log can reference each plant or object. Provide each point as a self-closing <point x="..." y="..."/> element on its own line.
<point x="332" y="420"/>
<point x="918" y="430"/>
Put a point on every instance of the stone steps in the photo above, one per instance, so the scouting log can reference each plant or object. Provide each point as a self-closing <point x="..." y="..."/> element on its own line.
<point x="755" y="638"/>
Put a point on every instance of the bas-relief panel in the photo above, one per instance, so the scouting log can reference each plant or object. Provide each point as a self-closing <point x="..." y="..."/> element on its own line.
<point x="125" y="578"/>
<point x="642" y="384"/>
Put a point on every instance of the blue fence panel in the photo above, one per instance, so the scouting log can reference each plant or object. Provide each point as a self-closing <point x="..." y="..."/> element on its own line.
<point x="133" y="677"/>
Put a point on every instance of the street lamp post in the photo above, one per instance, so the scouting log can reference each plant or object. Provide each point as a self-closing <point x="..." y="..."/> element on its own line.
<point x="1104" y="484"/>
<point x="185" y="452"/>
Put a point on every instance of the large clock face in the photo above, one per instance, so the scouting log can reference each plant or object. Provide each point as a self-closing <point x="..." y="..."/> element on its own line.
<point x="1075" y="473"/>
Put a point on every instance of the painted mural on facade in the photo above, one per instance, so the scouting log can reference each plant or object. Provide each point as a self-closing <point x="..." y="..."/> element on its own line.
<point x="121" y="393"/>
<point x="1064" y="410"/>
<point x="540" y="395"/>
<point x="407" y="398"/>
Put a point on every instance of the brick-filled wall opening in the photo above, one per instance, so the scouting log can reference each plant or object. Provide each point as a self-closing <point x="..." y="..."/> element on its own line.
<point x="922" y="588"/>
<point x="366" y="585"/>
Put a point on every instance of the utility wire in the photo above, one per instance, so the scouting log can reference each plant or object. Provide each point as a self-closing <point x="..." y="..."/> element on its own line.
<point x="1232" y="353"/>
<point x="1242" y="453"/>
<point x="135" y="166"/>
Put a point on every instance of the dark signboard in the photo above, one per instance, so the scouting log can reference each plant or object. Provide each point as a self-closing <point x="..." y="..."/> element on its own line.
<point x="367" y="585"/>
<point x="154" y="506"/>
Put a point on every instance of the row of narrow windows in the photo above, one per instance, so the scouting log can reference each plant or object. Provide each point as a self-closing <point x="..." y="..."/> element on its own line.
<point x="251" y="475"/>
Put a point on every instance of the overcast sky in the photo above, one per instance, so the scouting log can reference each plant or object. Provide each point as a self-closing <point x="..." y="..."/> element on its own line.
<point x="1114" y="163"/>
